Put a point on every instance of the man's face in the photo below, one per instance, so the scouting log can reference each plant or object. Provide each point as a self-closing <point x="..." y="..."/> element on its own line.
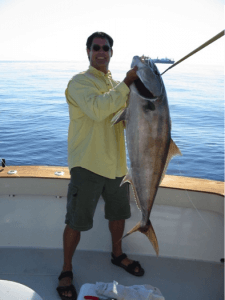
<point x="99" y="59"/>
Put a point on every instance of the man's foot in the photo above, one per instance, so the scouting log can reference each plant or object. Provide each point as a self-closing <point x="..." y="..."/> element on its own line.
<point x="133" y="267"/>
<point x="65" y="288"/>
<point x="66" y="282"/>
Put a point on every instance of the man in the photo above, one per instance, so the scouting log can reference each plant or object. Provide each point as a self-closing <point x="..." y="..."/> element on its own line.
<point x="96" y="157"/>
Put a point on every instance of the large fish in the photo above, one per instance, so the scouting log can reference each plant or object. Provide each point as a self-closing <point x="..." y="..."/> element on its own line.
<point x="148" y="137"/>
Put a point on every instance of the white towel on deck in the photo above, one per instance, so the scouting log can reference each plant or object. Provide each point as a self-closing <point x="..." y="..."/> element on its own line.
<point x="134" y="292"/>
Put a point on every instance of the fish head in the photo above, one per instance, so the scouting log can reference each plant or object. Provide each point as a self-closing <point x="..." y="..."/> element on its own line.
<point x="149" y="76"/>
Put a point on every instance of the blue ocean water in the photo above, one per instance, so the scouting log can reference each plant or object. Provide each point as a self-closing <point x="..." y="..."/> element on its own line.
<point x="34" y="115"/>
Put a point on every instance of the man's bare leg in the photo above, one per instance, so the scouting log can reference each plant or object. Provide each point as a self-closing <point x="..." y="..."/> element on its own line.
<point x="117" y="228"/>
<point x="71" y="239"/>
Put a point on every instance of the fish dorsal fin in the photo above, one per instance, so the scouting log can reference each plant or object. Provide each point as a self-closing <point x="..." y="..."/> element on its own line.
<point x="128" y="178"/>
<point x="119" y="116"/>
<point x="173" y="151"/>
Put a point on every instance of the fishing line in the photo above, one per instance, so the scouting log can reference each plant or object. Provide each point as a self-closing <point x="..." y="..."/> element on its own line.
<point x="189" y="198"/>
<point x="216" y="37"/>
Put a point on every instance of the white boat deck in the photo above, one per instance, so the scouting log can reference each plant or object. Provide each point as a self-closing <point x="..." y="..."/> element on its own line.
<point x="177" y="279"/>
<point x="191" y="243"/>
<point x="31" y="259"/>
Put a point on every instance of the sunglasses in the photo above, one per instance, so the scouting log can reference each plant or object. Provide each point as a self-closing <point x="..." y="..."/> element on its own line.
<point x="97" y="47"/>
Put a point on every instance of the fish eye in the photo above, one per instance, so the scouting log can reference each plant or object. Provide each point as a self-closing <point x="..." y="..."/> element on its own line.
<point x="148" y="106"/>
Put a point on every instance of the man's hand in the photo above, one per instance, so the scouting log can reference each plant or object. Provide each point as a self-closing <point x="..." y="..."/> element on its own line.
<point x="131" y="76"/>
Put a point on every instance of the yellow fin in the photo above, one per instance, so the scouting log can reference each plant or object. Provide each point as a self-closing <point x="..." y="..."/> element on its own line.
<point x="173" y="151"/>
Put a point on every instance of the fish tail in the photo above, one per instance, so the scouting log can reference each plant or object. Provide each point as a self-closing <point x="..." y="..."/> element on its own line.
<point x="149" y="232"/>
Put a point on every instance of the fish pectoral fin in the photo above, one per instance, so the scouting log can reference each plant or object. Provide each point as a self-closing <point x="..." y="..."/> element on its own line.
<point x="173" y="151"/>
<point x="120" y="116"/>
<point x="149" y="232"/>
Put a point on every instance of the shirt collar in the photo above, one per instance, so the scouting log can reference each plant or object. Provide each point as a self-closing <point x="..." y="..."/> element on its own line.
<point x="99" y="73"/>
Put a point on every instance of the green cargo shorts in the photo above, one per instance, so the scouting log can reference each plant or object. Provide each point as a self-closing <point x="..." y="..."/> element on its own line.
<point x="84" y="191"/>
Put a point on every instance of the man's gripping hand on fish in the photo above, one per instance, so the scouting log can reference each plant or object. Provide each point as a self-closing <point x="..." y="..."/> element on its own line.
<point x="131" y="76"/>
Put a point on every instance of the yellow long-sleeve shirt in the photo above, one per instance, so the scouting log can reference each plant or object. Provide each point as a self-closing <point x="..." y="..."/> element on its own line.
<point x="93" y="143"/>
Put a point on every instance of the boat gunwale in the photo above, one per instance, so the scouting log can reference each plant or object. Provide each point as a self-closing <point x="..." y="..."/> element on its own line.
<point x="169" y="181"/>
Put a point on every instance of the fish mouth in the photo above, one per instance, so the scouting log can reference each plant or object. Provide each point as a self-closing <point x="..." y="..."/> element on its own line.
<point x="143" y="91"/>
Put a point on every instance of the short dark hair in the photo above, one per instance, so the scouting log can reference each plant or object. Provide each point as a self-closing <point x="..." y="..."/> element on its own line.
<point x="101" y="35"/>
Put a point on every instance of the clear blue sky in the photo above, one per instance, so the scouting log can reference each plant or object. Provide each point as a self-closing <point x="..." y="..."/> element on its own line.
<point x="58" y="29"/>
